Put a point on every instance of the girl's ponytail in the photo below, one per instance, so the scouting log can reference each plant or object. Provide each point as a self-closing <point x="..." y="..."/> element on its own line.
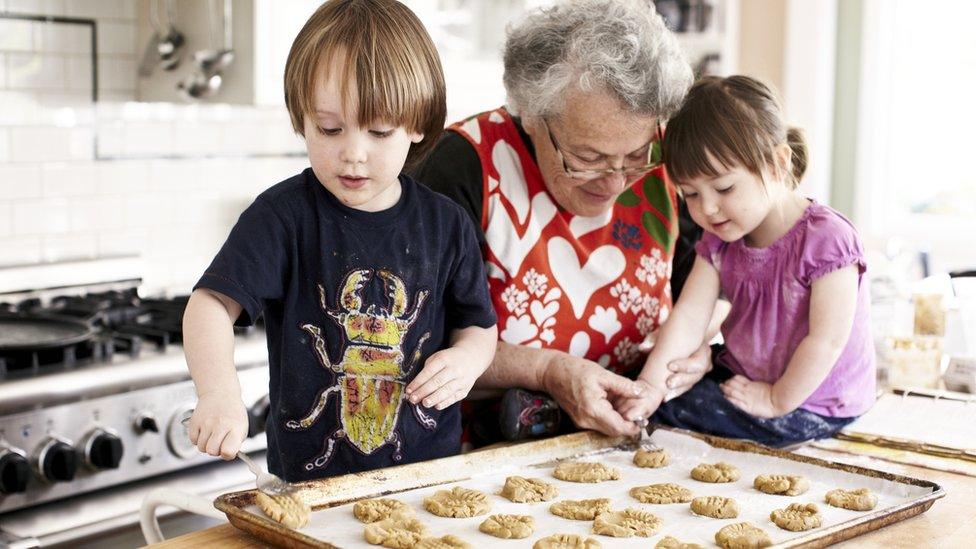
<point x="798" y="145"/>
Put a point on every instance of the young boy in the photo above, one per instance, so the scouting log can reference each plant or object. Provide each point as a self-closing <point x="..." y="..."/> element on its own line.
<point x="363" y="276"/>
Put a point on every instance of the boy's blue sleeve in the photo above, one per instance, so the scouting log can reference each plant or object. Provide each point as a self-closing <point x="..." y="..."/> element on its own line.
<point x="251" y="266"/>
<point x="466" y="298"/>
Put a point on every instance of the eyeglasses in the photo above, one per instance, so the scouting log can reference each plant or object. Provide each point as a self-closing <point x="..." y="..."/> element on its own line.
<point x="630" y="173"/>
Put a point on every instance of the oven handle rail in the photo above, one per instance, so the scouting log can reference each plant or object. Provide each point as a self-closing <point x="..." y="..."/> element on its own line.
<point x="181" y="500"/>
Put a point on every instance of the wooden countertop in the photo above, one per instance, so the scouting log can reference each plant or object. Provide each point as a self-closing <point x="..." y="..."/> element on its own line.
<point x="950" y="522"/>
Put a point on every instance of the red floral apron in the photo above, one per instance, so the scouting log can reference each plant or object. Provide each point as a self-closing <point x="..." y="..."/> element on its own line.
<point x="589" y="286"/>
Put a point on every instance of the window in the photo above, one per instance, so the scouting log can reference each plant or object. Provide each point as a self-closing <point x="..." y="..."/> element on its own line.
<point x="916" y="160"/>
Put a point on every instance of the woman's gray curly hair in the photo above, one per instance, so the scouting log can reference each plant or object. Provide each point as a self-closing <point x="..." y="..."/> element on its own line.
<point x="620" y="45"/>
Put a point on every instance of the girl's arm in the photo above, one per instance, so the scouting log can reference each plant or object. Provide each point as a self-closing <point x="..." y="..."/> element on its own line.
<point x="833" y="303"/>
<point x="219" y="422"/>
<point x="680" y="336"/>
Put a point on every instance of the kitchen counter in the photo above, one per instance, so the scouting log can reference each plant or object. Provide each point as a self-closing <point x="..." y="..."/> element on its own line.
<point x="948" y="523"/>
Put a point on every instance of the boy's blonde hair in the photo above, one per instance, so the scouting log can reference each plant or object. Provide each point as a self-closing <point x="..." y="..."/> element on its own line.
<point x="735" y="120"/>
<point x="385" y="48"/>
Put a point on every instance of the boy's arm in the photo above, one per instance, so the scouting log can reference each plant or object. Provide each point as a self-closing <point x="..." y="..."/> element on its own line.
<point x="449" y="374"/>
<point x="833" y="303"/>
<point x="219" y="422"/>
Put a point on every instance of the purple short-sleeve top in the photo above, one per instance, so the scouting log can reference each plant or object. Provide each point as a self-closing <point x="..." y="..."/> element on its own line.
<point x="770" y="288"/>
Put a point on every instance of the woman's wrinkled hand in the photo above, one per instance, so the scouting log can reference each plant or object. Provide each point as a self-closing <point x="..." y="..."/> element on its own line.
<point x="586" y="391"/>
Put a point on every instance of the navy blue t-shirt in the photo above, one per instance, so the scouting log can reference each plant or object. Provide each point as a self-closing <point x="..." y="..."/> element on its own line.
<point x="354" y="302"/>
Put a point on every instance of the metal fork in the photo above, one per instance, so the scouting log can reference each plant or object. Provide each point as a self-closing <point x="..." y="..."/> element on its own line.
<point x="268" y="483"/>
<point x="643" y="438"/>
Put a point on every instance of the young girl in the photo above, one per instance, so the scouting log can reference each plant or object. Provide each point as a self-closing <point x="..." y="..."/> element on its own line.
<point x="798" y="360"/>
<point x="372" y="287"/>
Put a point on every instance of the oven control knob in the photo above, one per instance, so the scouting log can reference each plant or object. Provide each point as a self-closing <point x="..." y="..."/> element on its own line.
<point x="14" y="472"/>
<point x="147" y="422"/>
<point x="257" y="417"/>
<point x="56" y="461"/>
<point x="103" y="450"/>
<point x="177" y="435"/>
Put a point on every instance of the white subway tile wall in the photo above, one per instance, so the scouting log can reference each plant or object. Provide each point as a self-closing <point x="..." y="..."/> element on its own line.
<point x="46" y="7"/>
<point x="4" y="144"/>
<point x="6" y="223"/>
<point x="46" y="144"/>
<point x="173" y="212"/>
<point x="166" y="182"/>
<point x="55" y="56"/>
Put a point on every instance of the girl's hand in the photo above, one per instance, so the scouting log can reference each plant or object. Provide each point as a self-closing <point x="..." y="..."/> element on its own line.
<point x="754" y="397"/>
<point x="219" y="424"/>
<point x="686" y="372"/>
<point x="642" y="405"/>
<point x="446" y="378"/>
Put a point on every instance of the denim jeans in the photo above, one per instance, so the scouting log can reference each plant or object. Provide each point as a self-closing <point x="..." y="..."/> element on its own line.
<point x="704" y="409"/>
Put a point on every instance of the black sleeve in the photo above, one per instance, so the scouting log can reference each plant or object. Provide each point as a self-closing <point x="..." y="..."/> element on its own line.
<point x="453" y="169"/>
<point x="467" y="299"/>
<point x="684" y="249"/>
<point x="251" y="265"/>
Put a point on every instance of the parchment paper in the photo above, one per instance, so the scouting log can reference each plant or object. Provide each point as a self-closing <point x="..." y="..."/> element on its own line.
<point x="337" y="525"/>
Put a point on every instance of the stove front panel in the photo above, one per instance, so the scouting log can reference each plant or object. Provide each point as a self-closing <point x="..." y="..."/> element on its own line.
<point x="71" y="449"/>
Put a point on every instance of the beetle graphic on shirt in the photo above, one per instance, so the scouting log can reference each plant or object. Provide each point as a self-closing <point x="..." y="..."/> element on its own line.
<point x="371" y="376"/>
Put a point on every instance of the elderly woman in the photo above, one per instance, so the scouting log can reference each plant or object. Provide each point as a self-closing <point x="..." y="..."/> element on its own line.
<point x="579" y="224"/>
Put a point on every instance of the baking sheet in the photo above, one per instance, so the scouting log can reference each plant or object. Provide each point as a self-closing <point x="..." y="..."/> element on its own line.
<point x="867" y="452"/>
<point x="920" y="419"/>
<point x="337" y="526"/>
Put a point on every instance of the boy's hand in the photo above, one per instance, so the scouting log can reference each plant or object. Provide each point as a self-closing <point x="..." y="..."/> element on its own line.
<point x="642" y="405"/>
<point x="754" y="397"/>
<point x="446" y="378"/>
<point x="219" y="424"/>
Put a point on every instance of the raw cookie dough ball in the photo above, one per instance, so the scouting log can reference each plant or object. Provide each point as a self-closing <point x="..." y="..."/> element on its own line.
<point x="786" y="485"/>
<point x="742" y="535"/>
<point x="797" y="517"/>
<point x="289" y="509"/>
<point x="717" y="472"/>
<point x="582" y="509"/>
<point x="396" y="532"/>
<point x="626" y="523"/>
<point x="669" y="542"/>
<point x="528" y="490"/>
<point x="856" y="500"/>
<point x="651" y="458"/>
<point x="566" y="541"/>
<point x="372" y="510"/>
<point x="457" y="503"/>
<point x="575" y="471"/>
<point x="443" y="542"/>
<point x="661" y="493"/>
<point x="715" y="507"/>
<point x="508" y="526"/>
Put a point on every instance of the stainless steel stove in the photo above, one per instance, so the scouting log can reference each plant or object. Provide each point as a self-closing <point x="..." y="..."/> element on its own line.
<point x="93" y="388"/>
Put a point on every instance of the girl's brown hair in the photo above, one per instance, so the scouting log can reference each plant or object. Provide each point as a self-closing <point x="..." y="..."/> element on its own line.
<point x="733" y="121"/>
<point x="385" y="48"/>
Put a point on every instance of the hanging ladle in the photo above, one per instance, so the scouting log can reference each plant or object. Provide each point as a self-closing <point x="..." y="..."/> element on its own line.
<point x="165" y="47"/>
<point x="211" y="63"/>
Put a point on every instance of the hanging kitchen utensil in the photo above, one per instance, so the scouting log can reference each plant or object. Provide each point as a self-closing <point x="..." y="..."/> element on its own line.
<point x="165" y="47"/>
<point x="212" y="62"/>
